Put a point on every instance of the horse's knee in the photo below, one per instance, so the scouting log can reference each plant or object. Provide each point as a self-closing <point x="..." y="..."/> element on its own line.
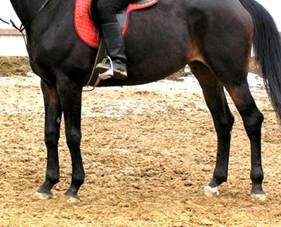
<point x="73" y="137"/>
<point x="51" y="138"/>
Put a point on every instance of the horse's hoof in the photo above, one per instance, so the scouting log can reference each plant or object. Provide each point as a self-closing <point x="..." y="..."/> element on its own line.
<point x="43" y="196"/>
<point x="259" y="197"/>
<point x="211" y="192"/>
<point x="72" y="200"/>
<point x="72" y="197"/>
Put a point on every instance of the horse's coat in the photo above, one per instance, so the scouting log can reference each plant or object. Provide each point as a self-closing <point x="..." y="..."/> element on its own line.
<point x="213" y="37"/>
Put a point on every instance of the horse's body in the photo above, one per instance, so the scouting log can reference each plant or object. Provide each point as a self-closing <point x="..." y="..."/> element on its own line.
<point x="213" y="37"/>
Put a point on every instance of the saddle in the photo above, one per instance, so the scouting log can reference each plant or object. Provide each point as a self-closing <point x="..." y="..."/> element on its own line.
<point x="87" y="31"/>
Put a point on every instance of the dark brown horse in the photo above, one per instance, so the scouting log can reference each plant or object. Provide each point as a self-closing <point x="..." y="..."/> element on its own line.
<point x="213" y="37"/>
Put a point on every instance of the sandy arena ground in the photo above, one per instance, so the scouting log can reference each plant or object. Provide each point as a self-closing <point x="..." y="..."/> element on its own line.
<point x="148" y="153"/>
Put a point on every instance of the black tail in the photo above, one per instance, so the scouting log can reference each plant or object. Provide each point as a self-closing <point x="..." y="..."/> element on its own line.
<point x="267" y="46"/>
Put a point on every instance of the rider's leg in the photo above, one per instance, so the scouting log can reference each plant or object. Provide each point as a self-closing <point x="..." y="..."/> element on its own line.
<point x="112" y="35"/>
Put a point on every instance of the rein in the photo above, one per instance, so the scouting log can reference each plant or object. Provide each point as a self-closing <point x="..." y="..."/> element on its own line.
<point x="11" y="23"/>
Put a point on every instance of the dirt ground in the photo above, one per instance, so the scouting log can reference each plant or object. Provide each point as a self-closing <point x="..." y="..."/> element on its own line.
<point x="148" y="152"/>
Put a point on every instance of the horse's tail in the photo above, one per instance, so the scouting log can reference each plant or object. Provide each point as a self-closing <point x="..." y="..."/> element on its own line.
<point x="267" y="47"/>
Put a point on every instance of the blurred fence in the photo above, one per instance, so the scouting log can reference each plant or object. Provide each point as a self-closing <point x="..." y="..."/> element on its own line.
<point x="11" y="43"/>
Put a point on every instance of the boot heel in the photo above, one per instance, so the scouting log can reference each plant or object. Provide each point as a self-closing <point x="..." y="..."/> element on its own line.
<point x="120" y="75"/>
<point x="106" y="75"/>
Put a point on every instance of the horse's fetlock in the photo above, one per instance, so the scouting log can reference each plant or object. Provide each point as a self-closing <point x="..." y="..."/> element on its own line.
<point x="220" y="177"/>
<point x="52" y="177"/>
<point x="257" y="175"/>
<point x="78" y="180"/>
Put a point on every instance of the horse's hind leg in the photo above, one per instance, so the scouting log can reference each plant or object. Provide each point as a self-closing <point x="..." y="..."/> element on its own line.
<point x="52" y="127"/>
<point x="229" y="60"/>
<point x="252" y="119"/>
<point x="70" y="96"/>
<point x="223" y="120"/>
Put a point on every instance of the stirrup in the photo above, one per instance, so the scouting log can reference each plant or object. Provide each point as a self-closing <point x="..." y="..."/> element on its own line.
<point x="108" y="73"/>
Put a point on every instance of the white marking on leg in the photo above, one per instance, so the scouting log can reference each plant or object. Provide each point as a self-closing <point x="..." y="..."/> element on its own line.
<point x="43" y="196"/>
<point x="259" y="197"/>
<point x="72" y="200"/>
<point x="211" y="191"/>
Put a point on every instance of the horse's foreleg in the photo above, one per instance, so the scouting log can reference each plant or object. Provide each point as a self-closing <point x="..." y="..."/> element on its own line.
<point x="70" y="95"/>
<point x="252" y="119"/>
<point x="52" y="127"/>
<point x="223" y="122"/>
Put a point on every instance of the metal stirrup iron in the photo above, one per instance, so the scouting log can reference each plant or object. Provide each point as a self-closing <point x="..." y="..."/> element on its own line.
<point x="109" y="73"/>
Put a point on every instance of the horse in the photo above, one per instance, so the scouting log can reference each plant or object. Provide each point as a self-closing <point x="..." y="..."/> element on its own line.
<point x="213" y="37"/>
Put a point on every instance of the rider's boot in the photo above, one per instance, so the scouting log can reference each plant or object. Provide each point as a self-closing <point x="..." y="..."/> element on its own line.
<point x="115" y="47"/>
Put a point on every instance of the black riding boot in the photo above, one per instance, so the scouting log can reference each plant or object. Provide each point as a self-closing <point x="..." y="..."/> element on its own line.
<point x="115" y="47"/>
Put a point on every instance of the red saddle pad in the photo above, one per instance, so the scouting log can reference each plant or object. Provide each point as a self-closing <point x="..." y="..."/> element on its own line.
<point x="84" y="26"/>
